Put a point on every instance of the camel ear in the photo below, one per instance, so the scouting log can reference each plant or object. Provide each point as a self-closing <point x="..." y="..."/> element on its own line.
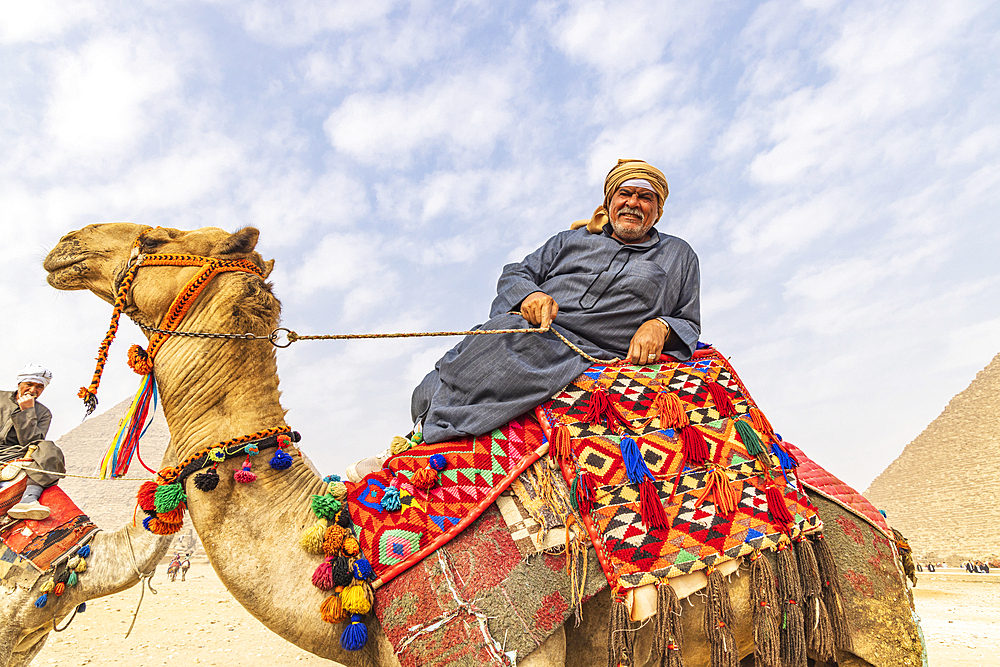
<point x="266" y="269"/>
<point x="240" y="243"/>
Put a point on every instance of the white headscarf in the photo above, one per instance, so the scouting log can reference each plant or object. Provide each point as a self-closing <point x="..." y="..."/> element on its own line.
<point x="35" y="373"/>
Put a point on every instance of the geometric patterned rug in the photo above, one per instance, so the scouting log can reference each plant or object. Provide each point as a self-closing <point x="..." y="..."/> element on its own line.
<point x="697" y="534"/>
<point x="41" y="542"/>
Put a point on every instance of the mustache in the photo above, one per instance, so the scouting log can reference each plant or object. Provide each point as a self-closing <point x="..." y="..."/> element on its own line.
<point x="628" y="210"/>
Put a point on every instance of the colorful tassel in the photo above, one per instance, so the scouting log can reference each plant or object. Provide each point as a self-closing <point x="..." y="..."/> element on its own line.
<point x="207" y="480"/>
<point x="355" y="600"/>
<point x="776" y="506"/>
<point x="333" y="540"/>
<point x="351" y="546"/>
<point x="424" y="478"/>
<point x="694" y="448"/>
<point x="584" y="492"/>
<point x="252" y="449"/>
<point x="749" y="437"/>
<point x="139" y="361"/>
<point x="761" y="423"/>
<point x="168" y="496"/>
<point x="399" y="445"/>
<point x="280" y="461"/>
<point x="720" y="488"/>
<point x="338" y="490"/>
<point x="42" y="600"/>
<point x="786" y="460"/>
<point x="244" y="475"/>
<point x="669" y="409"/>
<point x="561" y="445"/>
<point x="331" y="478"/>
<point x="362" y="570"/>
<point x="390" y="500"/>
<point x="723" y="403"/>
<point x="83" y="551"/>
<point x="355" y="636"/>
<point x="331" y="610"/>
<point x="59" y="589"/>
<point x="325" y="507"/>
<point x="323" y="576"/>
<point x="312" y="538"/>
<point x="176" y="515"/>
<point x="635" y="465"/>
<point x="131" y="428"/>
<point x="146" y="496"/>
<point x="81" y="567"/>
<point x="342" y="575"/>
<point x="650" y="508"/>
<point x="48" y="586"/>
<point x="73" y="579"/>
<point x="600" y="408"/>
<point x="82" y="607"/>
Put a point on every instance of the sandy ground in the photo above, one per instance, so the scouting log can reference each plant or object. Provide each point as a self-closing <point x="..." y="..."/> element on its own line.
<point x="198" y="622"/>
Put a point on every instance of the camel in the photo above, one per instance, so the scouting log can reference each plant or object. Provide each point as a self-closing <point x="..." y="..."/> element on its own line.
<point x="213" y="390"/>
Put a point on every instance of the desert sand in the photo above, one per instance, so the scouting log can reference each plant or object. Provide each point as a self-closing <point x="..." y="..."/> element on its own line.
<point x="198" y="622"/>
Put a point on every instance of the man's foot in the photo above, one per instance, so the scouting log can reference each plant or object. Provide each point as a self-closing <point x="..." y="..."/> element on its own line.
<point x="35" y="511"/>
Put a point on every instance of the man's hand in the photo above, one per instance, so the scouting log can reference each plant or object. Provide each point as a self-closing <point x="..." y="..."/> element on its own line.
<point x="540" y="309"/>
<point x="647" y="343"/>
<point x="26" y="401"/>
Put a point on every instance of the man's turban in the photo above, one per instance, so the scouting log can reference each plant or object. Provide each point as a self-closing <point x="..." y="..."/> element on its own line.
<point x="626" y="170"/>
<point x="35" y="373"/>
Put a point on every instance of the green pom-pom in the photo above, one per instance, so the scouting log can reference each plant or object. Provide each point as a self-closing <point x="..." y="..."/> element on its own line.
<point x="168" y="497"/>
<point x="72" y="579"/>
<point x="325" y="507"/>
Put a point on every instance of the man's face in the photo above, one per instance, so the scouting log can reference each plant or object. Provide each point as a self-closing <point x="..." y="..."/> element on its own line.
<point x="632" y="212"/>
<point x="33" y="389"/>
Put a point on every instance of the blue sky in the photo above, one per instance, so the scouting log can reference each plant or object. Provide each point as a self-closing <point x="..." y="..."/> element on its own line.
<point x="834" y="164"/>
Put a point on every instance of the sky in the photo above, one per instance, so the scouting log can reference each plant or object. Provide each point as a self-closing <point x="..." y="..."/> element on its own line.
<point x="834" y="165"/>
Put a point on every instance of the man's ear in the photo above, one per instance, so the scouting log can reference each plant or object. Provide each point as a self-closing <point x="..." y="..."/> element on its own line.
<point x="240" y="243"/>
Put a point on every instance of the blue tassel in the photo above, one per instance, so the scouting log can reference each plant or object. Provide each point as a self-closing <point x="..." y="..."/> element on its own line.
<point x="390" y="500"/>
<point x="331" y="478"/>
<point x="145" y="522"/>
<point x="362" y="569"/>
<point x="635" y="465"/>
<point x="280" y="460"/>
<point x="84" y="551"/>
<point x="82" y="608"/>
<point x="42" y="600"/>
<point x="355" y="635"/>
<point x="786" y="461"/>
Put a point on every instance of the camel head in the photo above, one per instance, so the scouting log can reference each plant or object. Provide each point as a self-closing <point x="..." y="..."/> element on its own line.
<point x="97" y="256"/>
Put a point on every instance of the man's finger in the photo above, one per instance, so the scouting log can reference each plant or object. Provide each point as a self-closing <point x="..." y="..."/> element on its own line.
<point x="546" y="317"/>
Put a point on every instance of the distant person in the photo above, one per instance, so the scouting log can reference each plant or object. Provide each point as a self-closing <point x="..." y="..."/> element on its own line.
<point x="24" y="423"/>
<point x="930" y="567"/>
<point x="185" y="566"/>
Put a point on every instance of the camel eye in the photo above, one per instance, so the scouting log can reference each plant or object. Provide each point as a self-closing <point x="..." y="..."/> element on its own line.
<point x="150" y="245"/>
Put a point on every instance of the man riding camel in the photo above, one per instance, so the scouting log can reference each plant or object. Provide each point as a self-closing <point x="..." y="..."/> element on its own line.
<point x="24" y="423"/>
<point x="612" y="285"/>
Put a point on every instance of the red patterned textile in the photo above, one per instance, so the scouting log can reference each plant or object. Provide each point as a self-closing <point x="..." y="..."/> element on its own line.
<point x="477" y="471"/>
<point x="44" y="541"/>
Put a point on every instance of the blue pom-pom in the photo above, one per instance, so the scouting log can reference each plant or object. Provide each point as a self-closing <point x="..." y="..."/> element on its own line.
<point x="362" y="569"/>
<point x="145" y="522"/>
<point x="280" y="460"/>
<point x="251" y="449"/>
<point x="331" y="478"/>
<point x="81" y="608"/>
<point x="42" y="600"/>
<point x="355" y="635"/>
<point x="438" y="462"/>
<point x="635" y="465"/>
<point x="390" y="500"/>
<point x="84" y="551"/>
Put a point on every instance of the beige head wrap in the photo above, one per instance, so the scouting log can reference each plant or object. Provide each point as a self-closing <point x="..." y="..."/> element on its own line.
<point x="35" y="373"/>
<point x="625" y="170"/>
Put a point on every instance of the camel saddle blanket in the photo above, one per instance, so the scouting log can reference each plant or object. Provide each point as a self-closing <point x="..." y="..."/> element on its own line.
<point x="32" y="546"/>
<point x="699" y="532"/>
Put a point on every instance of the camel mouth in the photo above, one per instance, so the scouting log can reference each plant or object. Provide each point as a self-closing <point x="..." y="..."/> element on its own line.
<point x="65" y="270"/>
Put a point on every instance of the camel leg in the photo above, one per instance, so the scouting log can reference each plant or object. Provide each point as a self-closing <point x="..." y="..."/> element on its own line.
<point x="551" y="652"/>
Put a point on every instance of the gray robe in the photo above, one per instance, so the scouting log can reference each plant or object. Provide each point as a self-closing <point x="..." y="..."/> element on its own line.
<point x="20" y="429"/>
<point x="605" y="290"/>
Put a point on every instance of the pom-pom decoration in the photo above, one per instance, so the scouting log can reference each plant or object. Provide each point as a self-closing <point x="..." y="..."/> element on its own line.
<point x="81" y="567"/>
<point x="280" y="461"/>
<point x="217" y="454"/>
<point x="73" y="562"/>
<point x="323" y="576"/>
<point x="207" y="480"/>
<point x="48" y="586"/>
<point x="251" y="449"/>
<point x="390" y="500"/>
<point x="338" y="490"/>
<point x="438" y="462"/>
<point x="244" y="475"/>
<point x="311" y="539"/>
<point x="146" y="496"/>
<point x="362" y="569"/>
<point x="145" y="522"/>
<point x="331" y="478"/>
<point x="342" y="575"/>
<point x="84" y="551"/>
<point x="399" y="445"/>
<point x="333" y="540"/>
<point x="325" y="507"/>
<point x="139" y="361"/>
<point x="355" y="600"/>
<point x="168" y="496"/>
<point x="175" y="515"/>
<point x="351" y="546"/>
<point x="424" y="478"/>
<point x="355" y="636"/>
<point x="344" y="518"/>
<point x="73" y="579"/>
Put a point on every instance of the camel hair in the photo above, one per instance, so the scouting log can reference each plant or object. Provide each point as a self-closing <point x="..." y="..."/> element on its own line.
<point x="214" y="390"/>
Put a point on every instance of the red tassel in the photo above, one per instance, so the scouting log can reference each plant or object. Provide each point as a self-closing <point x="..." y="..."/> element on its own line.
<point x="424" y="478"/>
<point x="694" y="449"/>
<point x="776" y="506"/>
<point x="602" y="408"/>
<point x="720" y="396"/>
<point x="147" y="492"/>
<point x="670" y="410"/>
<point x="650" y="507"/>
<point x="762" y="425"/>
<point x="717" y="483"/>
<point x="586" y="491"/>
<point x="561" y="446"/>
<point x="323" y="576"/>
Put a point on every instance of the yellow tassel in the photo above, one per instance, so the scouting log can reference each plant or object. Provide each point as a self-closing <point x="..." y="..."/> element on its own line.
<point x="48" y="586"/>
<point x="81" y="566"/>
<point x="338" y="490"/>
<point x="311" y="539"/>
<point x="356" y="600"/>
<point x="399" y="445"/>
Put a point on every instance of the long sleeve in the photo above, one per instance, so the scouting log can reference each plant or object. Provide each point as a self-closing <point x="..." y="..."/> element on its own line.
<point x="520" y="279"/>
<point x="685" y="319"/>
<point x="32" y="424"/>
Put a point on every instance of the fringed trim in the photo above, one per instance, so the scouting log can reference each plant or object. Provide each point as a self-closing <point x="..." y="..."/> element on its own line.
<point x="620" y="640"/>
<point x="561" y="445"/>
<point x="764" y="599"/>
<point x="819" y="633"/>
<point x="650" y="507"/>
<point x="669" y="409"/>
<point x="721" y="490"/>
<point x="718" y="621"/>
<point x="832" y="594"/>
<point x="761" y="423"/>
<point x="668" y="630"/>
<point x="793" y="638"/>
<point x="600" y="408"/>
<point x="723" y="403"/>
<point x="583" y="492"/>
<point x="694" y="448"/>
<point x="776" y="506"/>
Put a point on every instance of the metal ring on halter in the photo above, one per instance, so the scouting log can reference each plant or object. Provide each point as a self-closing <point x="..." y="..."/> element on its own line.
<point x="274" y="337"/>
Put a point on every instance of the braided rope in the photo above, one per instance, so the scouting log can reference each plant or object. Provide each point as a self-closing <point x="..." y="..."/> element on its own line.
<point x="173" y="473"/>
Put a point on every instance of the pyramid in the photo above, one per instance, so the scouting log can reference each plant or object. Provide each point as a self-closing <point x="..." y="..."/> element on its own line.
<point x="943" y="491"/>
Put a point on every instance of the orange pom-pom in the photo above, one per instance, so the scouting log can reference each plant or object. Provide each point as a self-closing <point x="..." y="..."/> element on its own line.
<point x="174" y="516"/>
<point x="351" y="546"/>
<point x="331" y="610"/>
<point x="139" y="361"/>
<point x="157" y="527"/>
<point x="333" y="540"/>
<point x="59" y="589"/>
<point x="424" y="478"/>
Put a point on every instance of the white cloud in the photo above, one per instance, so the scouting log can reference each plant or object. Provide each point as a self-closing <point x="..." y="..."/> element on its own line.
<point x="43" y="20"/>
<point x="290" y="22"/>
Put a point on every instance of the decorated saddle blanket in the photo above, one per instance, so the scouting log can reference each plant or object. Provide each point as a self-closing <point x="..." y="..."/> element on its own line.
<point x="35" y="545"/>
